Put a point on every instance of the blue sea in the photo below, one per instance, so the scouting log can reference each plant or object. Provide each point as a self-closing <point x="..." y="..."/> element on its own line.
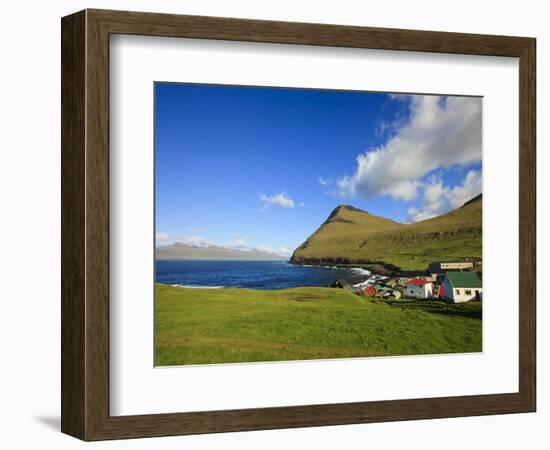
<point x="251" y="274"/>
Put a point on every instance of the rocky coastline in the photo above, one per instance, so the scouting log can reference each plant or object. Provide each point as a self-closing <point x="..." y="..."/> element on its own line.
<point x="375" y="267"/>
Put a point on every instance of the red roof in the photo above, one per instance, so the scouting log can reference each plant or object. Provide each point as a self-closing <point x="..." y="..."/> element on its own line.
<point x="418" y="281"/>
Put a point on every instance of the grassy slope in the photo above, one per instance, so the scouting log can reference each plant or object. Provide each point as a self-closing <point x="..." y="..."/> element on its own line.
<point x="201" y="326"/>
<point x="356" y="235"/>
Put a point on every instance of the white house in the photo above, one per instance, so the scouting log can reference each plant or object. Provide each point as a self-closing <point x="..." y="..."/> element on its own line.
<point x="418" y="288"/>
<point x="444" y="266"/>
<point x="459" y="287"/>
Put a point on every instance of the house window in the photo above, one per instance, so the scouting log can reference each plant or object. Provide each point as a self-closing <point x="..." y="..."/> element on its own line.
<point x="468" y="292"/>
<point x="457" y="291"/>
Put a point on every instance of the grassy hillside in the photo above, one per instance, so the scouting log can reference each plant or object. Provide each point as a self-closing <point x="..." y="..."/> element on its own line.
<point x="202" y="326"/>
<point x="352" y="235"/>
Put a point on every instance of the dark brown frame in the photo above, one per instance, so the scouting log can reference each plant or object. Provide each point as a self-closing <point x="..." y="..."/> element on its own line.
<point x="85" y="224"/>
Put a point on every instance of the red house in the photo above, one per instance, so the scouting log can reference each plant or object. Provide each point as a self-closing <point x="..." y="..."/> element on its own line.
<point x="370" y="290"/>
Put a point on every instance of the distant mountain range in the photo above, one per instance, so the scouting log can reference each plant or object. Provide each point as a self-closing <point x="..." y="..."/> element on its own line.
<point x="179" y="250"/>
<point x="352" y="236"/>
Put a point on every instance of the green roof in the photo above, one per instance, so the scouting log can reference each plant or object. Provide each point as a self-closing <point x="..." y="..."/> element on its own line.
<point x="464" y="279"/>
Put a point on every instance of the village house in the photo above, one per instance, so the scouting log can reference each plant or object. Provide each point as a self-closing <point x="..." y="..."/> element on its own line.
<point x="393" y="293"/>
<point x="392" y="282"/>
<point x="375" y="290"/>
<point x="459" y="287"/>
<point x="419" y="288"/>
<point x="448" y="266"/>
<point x="385" y="292"/>
<point x="370" y="290"/>
<point x="378" y="290"/>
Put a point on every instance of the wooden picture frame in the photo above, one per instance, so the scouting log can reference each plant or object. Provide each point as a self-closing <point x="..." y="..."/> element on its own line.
<point x="85" y="224"/>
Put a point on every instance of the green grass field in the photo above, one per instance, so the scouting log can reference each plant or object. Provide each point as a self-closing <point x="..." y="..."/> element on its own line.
<point x="203" y="326"/>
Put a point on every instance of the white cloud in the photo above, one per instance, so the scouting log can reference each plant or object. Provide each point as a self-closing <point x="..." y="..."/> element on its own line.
<point x="434" y="204"/>
<point x="439" y="199"/>
<point x="195" y="241"/>
<point x="324" y="181"/>
<point x="471" y="186"/>
<point x="441" y="132"/>
<point x="282" y="200"/>
<point x="160" y="236"/>
<point x="238" y="243"/>
<point x="282" y="251"/>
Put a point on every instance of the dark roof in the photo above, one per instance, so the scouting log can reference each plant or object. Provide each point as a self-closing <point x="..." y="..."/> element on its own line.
<point x="464" y="279"/>
<point x="440" y="278"/>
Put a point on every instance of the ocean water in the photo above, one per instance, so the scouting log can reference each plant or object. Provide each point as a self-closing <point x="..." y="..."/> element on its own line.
<point x="251" y="274"/>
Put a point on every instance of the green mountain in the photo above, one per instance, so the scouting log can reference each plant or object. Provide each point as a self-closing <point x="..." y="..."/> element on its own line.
<point x="352" y="236"/>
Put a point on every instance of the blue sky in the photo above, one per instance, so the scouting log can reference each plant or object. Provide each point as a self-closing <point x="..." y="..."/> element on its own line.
<point x="254" y="167"/>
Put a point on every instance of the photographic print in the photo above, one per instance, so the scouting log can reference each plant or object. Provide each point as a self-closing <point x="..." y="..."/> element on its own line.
<point x="299" y="224"/>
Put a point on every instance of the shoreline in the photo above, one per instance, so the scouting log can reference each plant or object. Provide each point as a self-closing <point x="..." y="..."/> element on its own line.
<point x="375" y="267"/>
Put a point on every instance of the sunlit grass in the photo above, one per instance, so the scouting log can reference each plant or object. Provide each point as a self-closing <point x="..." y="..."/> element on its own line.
<point x="202" y="326"/>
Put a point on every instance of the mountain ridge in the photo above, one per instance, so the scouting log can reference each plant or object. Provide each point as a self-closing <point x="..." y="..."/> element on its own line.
<point x="352" y="236"/>
<point x="181" y="250"/>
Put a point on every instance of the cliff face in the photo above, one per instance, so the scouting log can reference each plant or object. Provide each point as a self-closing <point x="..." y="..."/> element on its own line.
<point x="352" y="236"/>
